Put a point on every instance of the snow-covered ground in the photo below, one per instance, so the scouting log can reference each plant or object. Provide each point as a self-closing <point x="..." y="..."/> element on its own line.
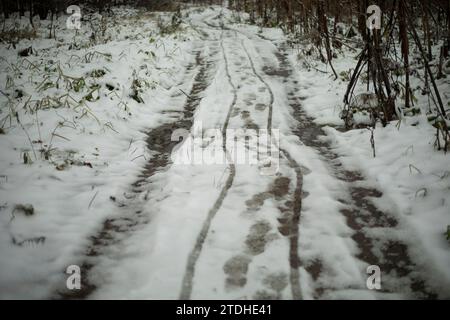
<point x="95" y="144"/>
<point x="217" y="231"/>
<point x="413" y="175"/>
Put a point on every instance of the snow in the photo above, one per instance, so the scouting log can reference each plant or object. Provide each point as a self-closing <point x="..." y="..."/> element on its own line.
<point x="71" y="204"/>
<point x="100" y="150"/>
<point x="411" y="172"/>
<point x="415" y="181"/>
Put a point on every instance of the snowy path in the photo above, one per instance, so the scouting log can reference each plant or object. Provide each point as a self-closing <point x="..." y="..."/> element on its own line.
<point x="226" y="231"/>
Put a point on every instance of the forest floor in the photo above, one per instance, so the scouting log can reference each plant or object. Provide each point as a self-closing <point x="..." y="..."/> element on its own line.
<point x="121" y="197"/>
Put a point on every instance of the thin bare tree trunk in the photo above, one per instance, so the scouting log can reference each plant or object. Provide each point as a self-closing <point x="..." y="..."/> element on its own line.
<point x="404" y="48"/>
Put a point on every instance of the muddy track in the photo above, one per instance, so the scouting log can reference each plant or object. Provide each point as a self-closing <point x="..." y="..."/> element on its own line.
<point x="360" y="212"/>
<point x="293" y="221"/>
<point x="186" y="289"/>
<point x="159" y="141"/>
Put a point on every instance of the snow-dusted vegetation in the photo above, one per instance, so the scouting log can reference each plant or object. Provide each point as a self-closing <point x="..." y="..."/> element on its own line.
<point x="100" y="118"/>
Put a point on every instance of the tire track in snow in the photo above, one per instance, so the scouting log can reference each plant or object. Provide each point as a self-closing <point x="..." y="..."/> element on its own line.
<point x="159" y="140"/>
<point x="361" y="213"/>
<point x="294" y="259"/>
<point x="188" y="278"/>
